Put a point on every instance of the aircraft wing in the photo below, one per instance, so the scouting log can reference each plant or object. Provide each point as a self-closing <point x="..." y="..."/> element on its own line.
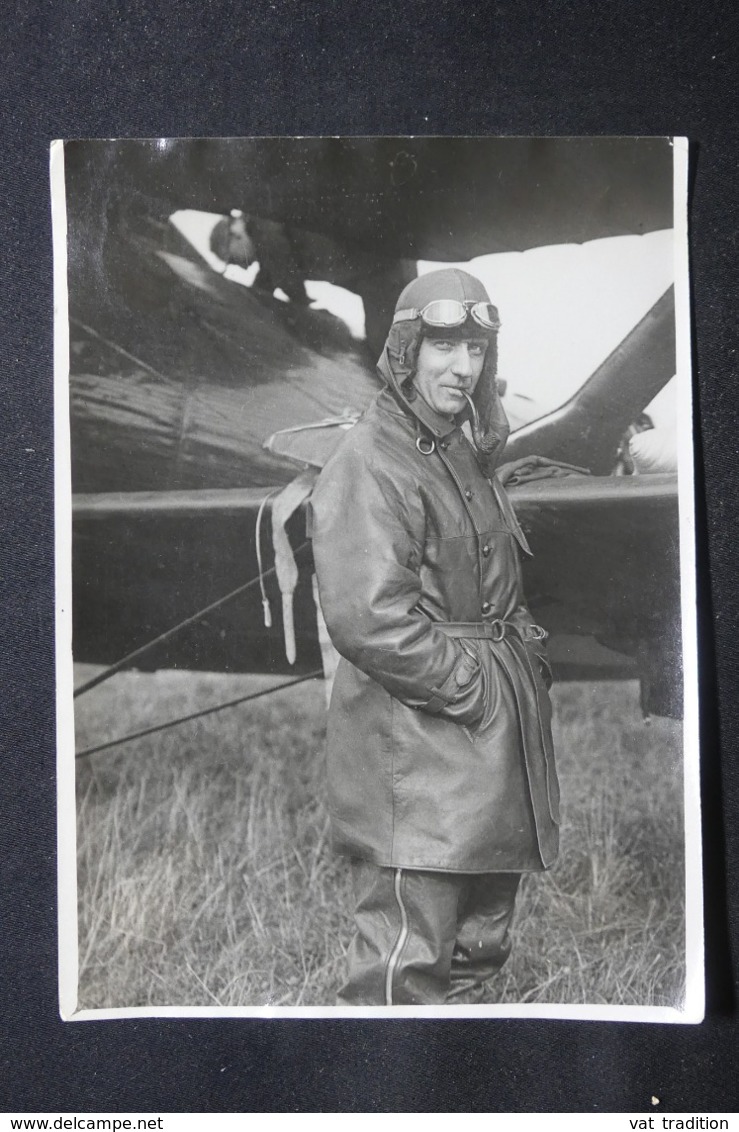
<point x="604" y="579"/>
<point x="418" y="198"/>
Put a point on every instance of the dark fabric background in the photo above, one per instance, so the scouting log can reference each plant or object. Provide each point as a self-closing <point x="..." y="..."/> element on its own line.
<point x="143" y="68"/>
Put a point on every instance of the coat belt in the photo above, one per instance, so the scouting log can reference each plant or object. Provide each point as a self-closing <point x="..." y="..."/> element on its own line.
<point x="494" y="630"/>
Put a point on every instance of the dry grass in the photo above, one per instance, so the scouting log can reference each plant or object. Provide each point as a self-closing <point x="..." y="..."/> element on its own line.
<point x="206" y="875"/>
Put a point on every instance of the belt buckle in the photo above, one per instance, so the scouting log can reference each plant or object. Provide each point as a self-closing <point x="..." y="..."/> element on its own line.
<point x="498" y="629"/>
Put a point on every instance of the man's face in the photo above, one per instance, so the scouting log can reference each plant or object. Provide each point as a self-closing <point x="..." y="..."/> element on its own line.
<point x="445" y="367"/>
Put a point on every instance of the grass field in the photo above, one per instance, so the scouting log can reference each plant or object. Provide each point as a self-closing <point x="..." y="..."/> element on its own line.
<point x="206" y="875"/>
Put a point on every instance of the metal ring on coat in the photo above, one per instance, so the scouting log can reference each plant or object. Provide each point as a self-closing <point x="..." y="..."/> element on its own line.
<point x="499" y="629"/>
<point x="422" y="441"/>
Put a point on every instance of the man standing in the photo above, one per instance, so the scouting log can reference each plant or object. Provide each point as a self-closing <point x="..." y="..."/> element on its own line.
<point x="442" y="785"/>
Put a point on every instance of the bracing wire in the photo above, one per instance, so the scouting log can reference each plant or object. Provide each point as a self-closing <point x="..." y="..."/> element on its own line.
<point x="169" y="633"/>
<point x="196" y="715"/>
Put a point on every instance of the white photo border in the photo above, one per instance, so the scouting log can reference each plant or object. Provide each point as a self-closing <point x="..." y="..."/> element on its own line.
<point x="694" y="1004"/>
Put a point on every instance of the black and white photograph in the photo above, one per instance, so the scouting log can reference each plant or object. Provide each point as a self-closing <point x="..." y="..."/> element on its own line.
<point x="377" y="683"/>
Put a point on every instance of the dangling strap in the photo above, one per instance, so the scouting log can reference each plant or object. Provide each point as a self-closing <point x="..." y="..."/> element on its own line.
<point x="265" y="600"/>
<point x="286" y="568"/>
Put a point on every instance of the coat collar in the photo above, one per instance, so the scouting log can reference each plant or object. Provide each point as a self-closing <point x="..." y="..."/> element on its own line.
<point x="437" y="425"/>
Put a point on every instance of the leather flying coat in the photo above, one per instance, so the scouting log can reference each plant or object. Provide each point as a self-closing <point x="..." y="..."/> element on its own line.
<point x="439" y="734"/>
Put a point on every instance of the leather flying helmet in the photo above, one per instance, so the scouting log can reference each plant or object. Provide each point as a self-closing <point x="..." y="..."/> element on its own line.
<point x="449" y="301"/>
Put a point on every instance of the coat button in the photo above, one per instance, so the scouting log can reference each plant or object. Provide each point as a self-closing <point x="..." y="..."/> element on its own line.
<point x="486" y="550"/>
<point x="486" y="607"/>
<point x="467" y="493"/>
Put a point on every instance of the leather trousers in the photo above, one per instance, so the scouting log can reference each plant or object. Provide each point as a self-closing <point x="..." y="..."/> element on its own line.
<point x="427" y="938"/>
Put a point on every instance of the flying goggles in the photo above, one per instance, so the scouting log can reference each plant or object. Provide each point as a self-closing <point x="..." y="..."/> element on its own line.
<point x="450" y="313"/>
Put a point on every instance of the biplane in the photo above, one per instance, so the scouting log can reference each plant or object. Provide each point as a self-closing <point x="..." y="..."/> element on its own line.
<point x="180" y="376"/>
